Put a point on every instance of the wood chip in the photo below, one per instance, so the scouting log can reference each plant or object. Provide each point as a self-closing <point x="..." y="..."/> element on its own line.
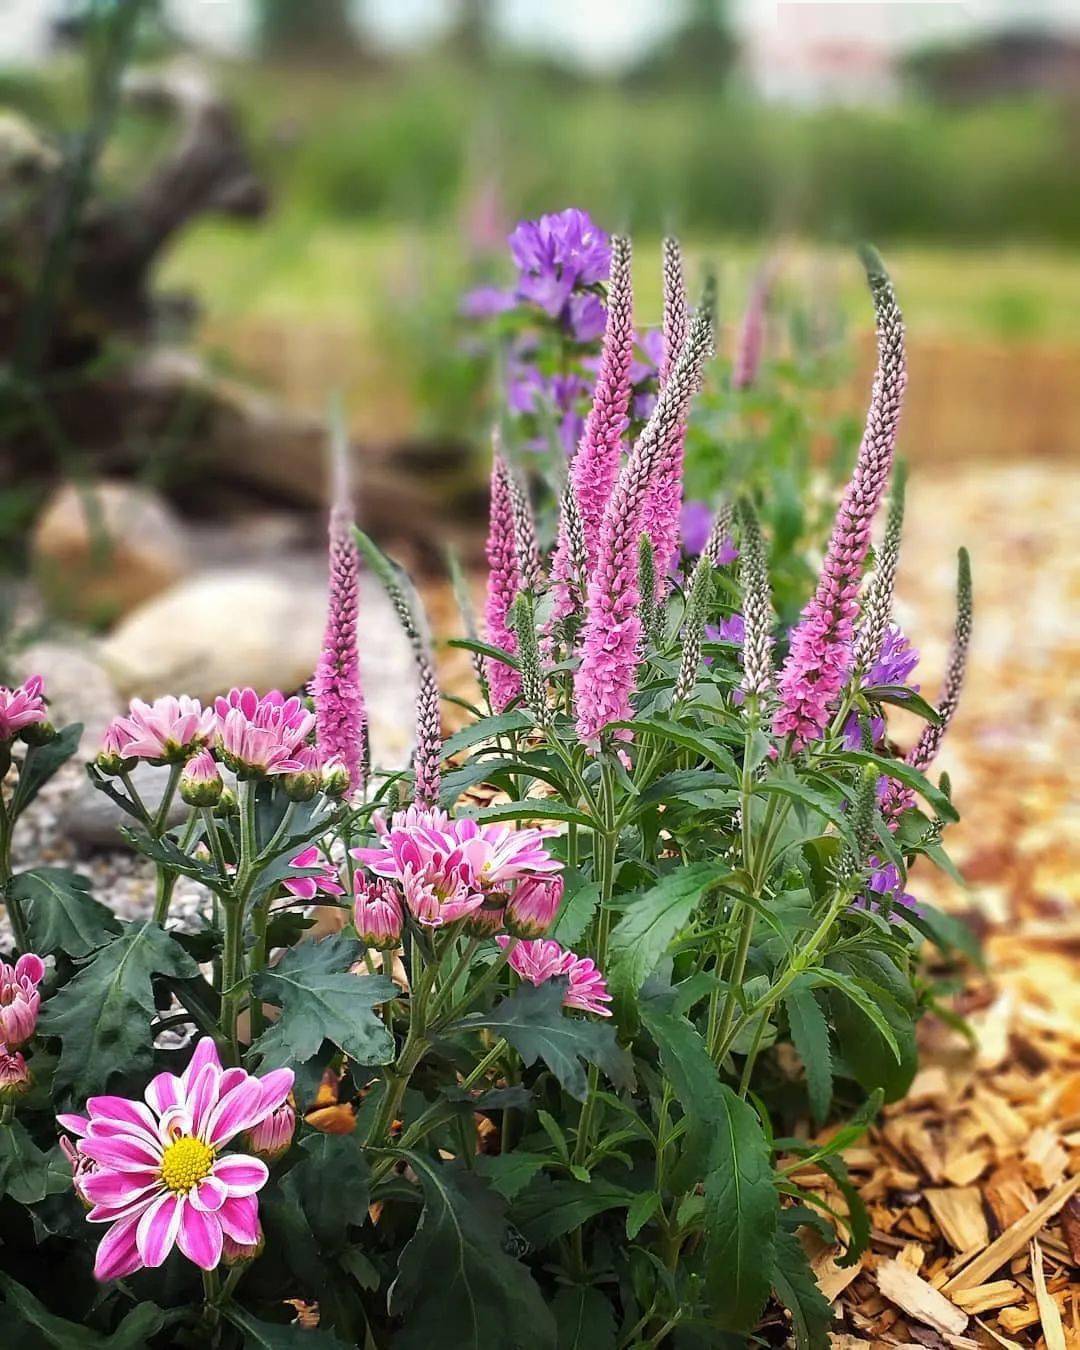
<point x="1070" y="1227"/>
<point x="920" y="1300"/>
<point x="1049" y="1312"/>
<point x="1009" y="1195"/>
<point x="1044" y="1159"/>
<point x="958" y="1212"/>
<point x="985" y="1297"/>
<point x="1014" y="1238"/>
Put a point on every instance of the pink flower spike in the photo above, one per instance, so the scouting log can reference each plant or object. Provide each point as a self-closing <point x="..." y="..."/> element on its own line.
<point x="544" y="960"/>
<point x="159" y="1176"/>
<point x="23" y="706"/>
<point x="19" y="999"/>
<point x="340" y="715"/>
<point x="747" y="363"/>
<point x="504" y="582"/>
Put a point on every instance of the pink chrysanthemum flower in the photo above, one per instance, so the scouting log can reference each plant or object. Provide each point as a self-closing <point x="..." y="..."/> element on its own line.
<point x="166" y="731"/>
<point x="23" y="706"/>
<point x="377" y="912"/>
<point x="258" y="736"/>
<point x="819" y="656"/>
<point x="532" y="907"/>
<point x="270" y="1138"/>
<point x="19" y="999"/>
<point x="504" y="582"/>
<point x="161" y="1179"/>
<point x="340" y="718"/>
<point x="438" y="897"/>
<point x="113" y="758"/>
<point x="326" y="880"/>
<point x="545" y="960"/>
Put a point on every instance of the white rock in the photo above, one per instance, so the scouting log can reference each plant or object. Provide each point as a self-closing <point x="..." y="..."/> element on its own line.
<point x="77" y="684"/>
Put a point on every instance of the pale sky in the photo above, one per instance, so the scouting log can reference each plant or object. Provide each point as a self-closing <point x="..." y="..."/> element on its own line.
<point x="600" y="35"/>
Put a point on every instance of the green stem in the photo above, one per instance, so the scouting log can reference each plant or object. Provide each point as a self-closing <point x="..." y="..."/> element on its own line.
<point x="166" y="876"/>
<point x="14" y="907"/>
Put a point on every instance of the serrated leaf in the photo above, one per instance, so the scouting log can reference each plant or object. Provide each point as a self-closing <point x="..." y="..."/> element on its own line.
<point x="858" y="1219"/>
<point x="61" y="914"/>
<point x="549" y="1209"/>
<point x="652" y="920"/>
<point x="679" y="733"/>
<point x="641" y="1210"/>
<point x="696" y="1083"/>
<point x="798" y="1291"/>
<point x="576" y="913"/>
<point x="810" y="1036"/>
<point x="142" y="1323"/>
<point x="331" y="1184"/>
<point x="874" y="1059"/>
<point x="742" y="1207"/>
<point x="584" y="1317"/>
<point x="509" y="1173"/>
<point x="40" y="763"/>
<point x="320" y="1000"/>
<point x="260" y="1335"/>
<point x="103" y="1015"/>
<point x="486" y="729"/>
<point x="904" y="773"/>
<point x="455" y="1284"/>
<point x="945" y="931"/>
<point x="533" y="1021"/>
<point x="25" y="1171"/>
<point x="533" y="808"/>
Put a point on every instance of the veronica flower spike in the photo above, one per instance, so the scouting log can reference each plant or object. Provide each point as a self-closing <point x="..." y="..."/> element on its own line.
<point x="504" y="582"/>
<point x="340" y="716"/>
<point x="820" y="650"/>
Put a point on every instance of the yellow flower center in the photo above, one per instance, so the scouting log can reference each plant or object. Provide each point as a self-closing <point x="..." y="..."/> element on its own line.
<point x="185" y="1163"/>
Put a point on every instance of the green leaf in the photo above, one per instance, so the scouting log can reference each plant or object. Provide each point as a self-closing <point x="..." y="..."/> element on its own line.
<point x="797" y="1290"/>
<point x="61" y="914"/>
<point x="584" y="1317"/>
<point x="742" y="1208"/>
<point x="576" y="913"/>
<point x="320" y="1000"/>
<point x="807" y="796"/>
<point x="486" y="649"/>
<point x="653" y="919"/>
<point x="533" y="1021"/>
<point x="858" y="1219"/>
<point x="142" y="1323"/>
<point x="902" y="697"/>
<point x="696" y="1083"/>
<point x="549" y="1209"/>
<point x="103" y="1015"/>
<point x="332" y="1185"/>
<point x="486" y="729"/>
<point x="276" y="1336"/>
<point x="533" y="808"/>
<point x="810" y="1036"/>
<point x="641" y="1210"/>
<point x="948" y="933"/>
<point x="24" y="1168"/>
<point x="681" y="734"/>
<point x="874" y="1059"/>
<point x="904" y="773"/>
<point x="509" y="1173"/>
<point x="864" y="1002"/>
<point x="455" y="1284"/>
<point x="40" y="763"/>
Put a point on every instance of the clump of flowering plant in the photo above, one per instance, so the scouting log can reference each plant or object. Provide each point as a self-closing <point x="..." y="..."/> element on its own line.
<point x="511" y="1074"/>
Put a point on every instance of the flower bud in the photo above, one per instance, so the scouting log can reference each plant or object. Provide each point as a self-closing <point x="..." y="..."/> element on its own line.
<point x="303" y="785"/>
<point x="81" y="1168"/>
<point x="335" y="778"/>
<point x="489" y="919"/>
<point x="377" y="913"/>
<point x="111" y="759"/>
<point x="15" y="1078"/>
<point x="200" y="783"/>
<point x="235" y="1253"/>
<point x="227" y="804"/>
<point x="38" y="733"/>
<point x="271" y="1137"/>
<point x="19" y="1000"/>
<point x="531" y="909"/>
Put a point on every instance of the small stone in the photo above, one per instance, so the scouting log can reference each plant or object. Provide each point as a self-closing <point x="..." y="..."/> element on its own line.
<point x="93" y="819"/>
<point x="77" y="685"/>
<point x="100" y="550"/>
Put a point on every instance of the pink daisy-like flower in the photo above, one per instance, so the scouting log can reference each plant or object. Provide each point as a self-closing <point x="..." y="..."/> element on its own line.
<point x="438" y="897"/>
<point x="19" y="999"/>
<point x="161" y="1179"/>
<point x="377" y="912"/>
<point x="306" y="888"/>
<point x="260" y="736"/>
<point x="23" y="706"/>
<point x="166" y="731"/>
<point x="545" y="960"/>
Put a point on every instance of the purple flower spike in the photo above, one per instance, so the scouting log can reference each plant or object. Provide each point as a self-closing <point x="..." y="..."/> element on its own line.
<point x="504" y="582"/>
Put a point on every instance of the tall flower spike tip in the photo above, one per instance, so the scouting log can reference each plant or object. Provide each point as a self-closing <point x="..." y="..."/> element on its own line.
<point x="751" y="344"/>
<point x="532" y="674"/>
<point x="504" y="582"/>
<point x="663" y="505"/>
<point x="525" y="544"/>
<point x="757" y="606"/>
<point x="646" y="572"/>
<point x="693" y="631"/>
<point x="878" y="599"/>
<point x="820" y="651"/>
<point x="596" y="464"/>
<point x="676" y="316"/>
<point x="929" y="743"/>
<point x="340" y="715"/>
<point x="717" y="542"/>
<point x="428" y="754"/>
<point x="604" y="681"/>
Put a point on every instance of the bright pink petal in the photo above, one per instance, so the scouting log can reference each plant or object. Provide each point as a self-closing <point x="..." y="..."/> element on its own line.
<point x="122" y="1153"/>
<point x="208" y="1195"/>
<point x="157" y="1229"/>
<point x="120" y="1110"/>
<point x="118" y="1188"/>
<point x="275" y="1086"/>
<point x="76" y="1124"/>
<point x="235" y="1112"/>
<point x="203" y="1095"/>
<point x="239" y="1218"/>
<point x="118" y="1252"/>
<point x="199" y="1237"/>
<point x="303" y="888"/>
<point x="164" y="1091"/>
<point x="205" y="1053"/>
<point x="241" y="1174"/>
